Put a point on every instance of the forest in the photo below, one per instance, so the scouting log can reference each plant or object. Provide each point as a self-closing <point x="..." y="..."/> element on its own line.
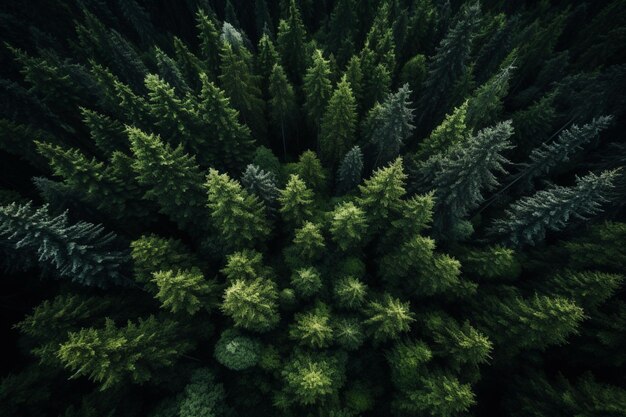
<point x="313" y="208"/>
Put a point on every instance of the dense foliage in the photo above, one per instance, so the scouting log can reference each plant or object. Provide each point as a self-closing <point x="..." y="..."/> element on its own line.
<point x="330" y="208"/>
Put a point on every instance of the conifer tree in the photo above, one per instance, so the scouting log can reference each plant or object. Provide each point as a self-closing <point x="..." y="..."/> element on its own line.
<point x="296" y="201"/>
<point x="190" y="65"/>
<point x="108" y="134"/>
<point x="309" y="168"/>
<point x="229" y="146"/>
<point x="350" y="170"/>
<point x="350" y="292"/>
<point x="168" y="68"/>
<point x="112" y="354"/>
<point x="485" y="105"/>
<point x="381" y="194"/>
<point x="313" y="328"/>
<point x="589" y="289"/>
<point x="338" y="127"/>
<point x="306" y="281"/>
<point x="262" y="184"/>
<point x="291" y="41"/>
<point x="308" y="242"/>
<point x="236" y="351"/>
<point x="183" y="290"/>
<point x="237" y="216"/>
<point x="348" y="225"/>
<point x="282" y="104"/>
<point x="465" y="172"/>
<point x="389" y="124"/>
<point x="388" y="318"/>
<point x="317" y="88"/>
<point x="447" y="67"/>
<point x="210" y="45"/>
<point x="173" y="179"/>
<point x="342" y="27"/>
<point x="252" y="304"/>
<point x="82" y="252"/>
<point x="242" y="87"/>
<point x="528" y="219"/>
<point x="151" y="254"/>
<point x="452" y="131"/>
<point x="266" y="58"/>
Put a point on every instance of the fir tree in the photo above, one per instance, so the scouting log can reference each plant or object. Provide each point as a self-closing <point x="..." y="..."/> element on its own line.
<point x="348" y="225"/>
<point x="350" y="292"/>
<point x="237" y="216"/>
<point x="151" y="254"/>
<point x="209" y="37"/>
<point x="382" y="193"/>
<point x="282" y="104"/>
<point x="82" y="252"/>
<point x="296" y="201"/>
<point x="306" y="282"/>
<point x="236" y="351"/>
<point x="338" y="127"/>
<point x="172" y="178"/>
<point x="168" y="68"/>
<point x="308" y="242"/>
<point x="262" y="184"/>
<point x="317" y="88"/>
<point x="183" y="290"/>
<point x="389" y="125"/>
<point x="266" y="58"/>
<point x="452" y="131"/>
<point x="313" y="328"/>
<point x="112" y="354"/>
<point x="252" y="304"/>
<point x="342" y="30"/>
<point x="291" y="40"/>
<point x="388" y="318"/>
<point x="311" y="378"/>
<point x="350" y="170"/>
<point x="528" y="219"/>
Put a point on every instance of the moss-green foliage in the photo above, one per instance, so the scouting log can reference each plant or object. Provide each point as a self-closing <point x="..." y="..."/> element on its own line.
<point x="298" y="208"/>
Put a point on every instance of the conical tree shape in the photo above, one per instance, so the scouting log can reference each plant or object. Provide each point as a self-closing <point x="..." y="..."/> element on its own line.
<point x="338" y="126"/>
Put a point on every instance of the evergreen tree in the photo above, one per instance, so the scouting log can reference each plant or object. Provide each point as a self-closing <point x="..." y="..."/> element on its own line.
<point x="309" y="168"/>
<point x="308" y="242"/>
<point x="447" y="67"/>
<point x="282" y="104"/>
<point x="528" y="219"/>
<point x="291" y="41"/>
<point x="151" y="254"/>
<point x="237" y="216"/>
<point x="313" y="328"/>
<point x="296" y="201"/>
<point x="183" y="290"/>
<point x="242" y="87"/>
<point x="252" y="304"/>
<point x="266" y="58"/>
<point x="210" y="45"/>
<point x="382" y="193"/>
<point x="350" y="170"/>
<point x="451" y="132"/>
<point x="485" y="105"/>
<point x="168" y="68"/>
<point x="82" y="252"/>
<point x="348" y="225"/>
<point x="172" y="178"/>
<point x="307" y="282"/>
<point x="111" y="354"/>
<point x="317" y="88"/>
<point x="342" y="28"/>
<point x="338" y="127"/>
<point x="236" y="351"/>
<point x="350" y="292"/>
<point x="262" y="184"/>
<point x="389" y="124"/>
<point x="388" y="318"/>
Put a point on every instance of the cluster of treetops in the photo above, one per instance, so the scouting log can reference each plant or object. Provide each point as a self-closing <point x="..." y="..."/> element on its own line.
<point x="332" y="208"/>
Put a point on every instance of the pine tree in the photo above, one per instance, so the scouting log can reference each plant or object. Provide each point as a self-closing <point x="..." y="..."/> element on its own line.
<point x="589" y="289"/>
<point x="338" y="127"/>
<point x="245" y="265"/>
<point x="350" y="293"/>
<point x="485" y="106"/>
<point x="451" y="132"/>
<point x="237" y="216"/>
<point x="202" y="395"/>
<point x="168" y="69"/>
<point x="82" y="252"/>
<point x="282" y="104"/>
<point x="252" y="304"/>
<point x="113" y="354"/>
<point x="317" y="88"/>
<point x="236" y="351"/>
<point x="350" y="171"/>
<point x="291" y="41"/>
<point x="348" y="225"/>
<point x="296" y="201"/>
<point x="342" y="30"/>
<point x="139" y="19"/>
<point x="183" y="290"/>
<point x="447" y="67"/>
<point x="389" y="124"/>
<point x="266" y="58"/>
<point x="309" y="168"/>
<point x="108" y="134"/>
<point x="188" y="63"/>
<point x="173" y="179"/>
<point x="494" y="262"/>
<point x="528" y="219"/>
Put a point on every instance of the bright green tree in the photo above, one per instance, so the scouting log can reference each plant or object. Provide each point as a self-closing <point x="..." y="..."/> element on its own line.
<point x="252" y="304"/>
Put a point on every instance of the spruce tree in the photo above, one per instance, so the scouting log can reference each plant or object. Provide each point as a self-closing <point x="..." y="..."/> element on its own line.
<point x="81" y="252"/>
<point x="317" y="88"/>
<point x="262" y="184"/>
<point x="172" y="177"/>
<point x="183" y="290"/>
<point x="350" y="170"/>
<point x="528" y="219"/>
<point x="252" y="304"/>
<point x="112" y="354"/>
<point x="389" y="124"/>
<point x="210" y="45"/>
<point x="348" y="225"/>
<point x="296" y="201"/>
<point x="388" y="318"/>
<point x="338" y="127"/>
<point x="237" y="216"/>
<point x="236" y="351"/>
<point x="282" y="104"/>
<point x="452" y="131"/>
<point x="291" y="39"/>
